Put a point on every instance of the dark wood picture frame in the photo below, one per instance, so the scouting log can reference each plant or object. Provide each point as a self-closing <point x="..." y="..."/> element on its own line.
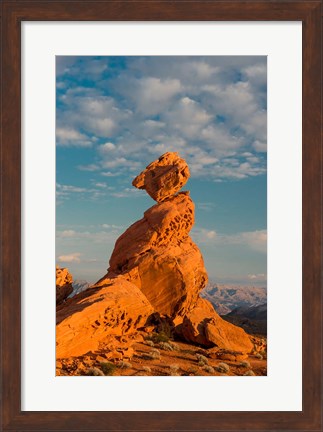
<point x="16" y="11"/>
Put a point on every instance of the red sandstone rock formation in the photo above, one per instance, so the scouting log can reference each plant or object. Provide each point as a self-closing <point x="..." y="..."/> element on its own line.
<point x="204" y="326"/>
<point x="63" y="284"/>
<point x="155" y="268"/>
<point x="163" y="177"/>
<point x="158" y="256"/>
<point x="113" y="308"/>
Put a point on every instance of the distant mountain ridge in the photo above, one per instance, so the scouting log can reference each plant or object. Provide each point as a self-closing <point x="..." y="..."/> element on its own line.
<point x="226" y="298"/>
<point x="252" y="319"/>
<point x="78" y="287"/>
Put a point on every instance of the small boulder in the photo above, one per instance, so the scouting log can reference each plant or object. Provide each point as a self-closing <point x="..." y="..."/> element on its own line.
<point x="164" y="177"/>
<point x="202" y="325"/>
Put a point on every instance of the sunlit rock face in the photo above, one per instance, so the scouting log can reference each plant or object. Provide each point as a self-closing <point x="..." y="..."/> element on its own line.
<point x="204" y="326"/>
<point x="157" y="254"/>
<point x="89" y="319"/>
<point x="164" y="177"/>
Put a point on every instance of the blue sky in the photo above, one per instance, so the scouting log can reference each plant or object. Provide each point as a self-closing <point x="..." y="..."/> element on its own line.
<point x="114" y="115"/>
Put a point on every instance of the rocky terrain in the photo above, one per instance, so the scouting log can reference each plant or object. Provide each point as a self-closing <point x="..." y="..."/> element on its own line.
<point x="147" y="309"/>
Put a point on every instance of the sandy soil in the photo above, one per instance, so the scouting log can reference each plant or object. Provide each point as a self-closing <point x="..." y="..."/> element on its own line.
<point x="184" y="360"/>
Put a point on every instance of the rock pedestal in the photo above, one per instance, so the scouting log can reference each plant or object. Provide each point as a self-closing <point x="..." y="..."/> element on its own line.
<point x="155" y="268"/>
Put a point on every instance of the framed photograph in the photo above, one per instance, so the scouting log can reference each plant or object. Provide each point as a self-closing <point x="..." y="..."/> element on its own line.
<point x="166" y="157"/>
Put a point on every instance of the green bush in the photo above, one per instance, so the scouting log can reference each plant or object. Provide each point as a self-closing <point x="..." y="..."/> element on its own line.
<point x="245" y="364"/>
<point x="208" y="369"/>
<point x="154" y="354"/>
<point x="108" y="368"/>
<point x="150" y="343"/>
<point x="124" y="365"/>
<point x="223" y="368"/>
<point x="94" y="371"/>
<point x="159" y="337"/>
<point x="165" y="346"/>
<point x="202" y="360"/>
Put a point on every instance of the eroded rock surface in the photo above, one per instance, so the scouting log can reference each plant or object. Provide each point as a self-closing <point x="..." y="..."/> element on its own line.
<point x="113" y="308"/>
<point x="204" y="326"/>
<point x="163" y="177"/>
<point x="158" y="256"/>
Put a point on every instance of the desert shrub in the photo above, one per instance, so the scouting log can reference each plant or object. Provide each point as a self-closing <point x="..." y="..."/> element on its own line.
<point x="249" y="373"/>
<point x="192" y="371"/>
<point x="94" y="371"/>
<point x="173" y="370"/>
<point x="159" y="337"/>
<point x="165" y="346"/>
<point x="174" y="346"/>
<point x="124" y="365"/>
<point x="245" y="364"/>
<point x="174" y="367"/>
<point x="150" y="343"/>
<point x="108" y="368"/>
<point x="259" y="356"/>
<point x="152" y="355"/>
<point x="223" y="368"/>
<point x="146" y="369"/>
<point x="208" y="369"/>
<point x="202" y="360"/>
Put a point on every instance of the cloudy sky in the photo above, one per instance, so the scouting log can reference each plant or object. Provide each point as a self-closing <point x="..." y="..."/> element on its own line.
<point x="116" y="114"/>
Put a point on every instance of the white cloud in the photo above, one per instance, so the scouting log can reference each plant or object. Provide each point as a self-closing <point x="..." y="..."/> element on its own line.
<point x="203" y="235"/>
<point x="257" y="277"/>
<point x="67" y="233"/>
<point x="113" y="163"/>
<point x="260" y="146"/>
<point x="112" y="226"/>
<point x="255" y="240"/>
<point x="187" y="116"/>
<point x="90" y="167"/>
<point x="101" y="185"/>
<point x="150" y="94"/>
<point x="256" y="73"/>
<point x="70" y="188"/>
<point x="71" y="137"/>
<point x="205" y="206"/>
<point x="73" y="257"/>
<point x="86" y="236"/>
<point x="209" y="109"/>
<point x="128" y="193"/>
<point x="107" y="147"/>
<point x="97" y="114"/>
<point x="109" y="174"/>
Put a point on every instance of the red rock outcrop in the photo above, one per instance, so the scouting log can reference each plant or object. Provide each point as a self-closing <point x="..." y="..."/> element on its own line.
<point x="163" y="177"/>
<point x="155" y="270"/>
<point x="113" y="308"/>
<point x="157" y="254"/>
<point x="63" y="284"/>
<point x="204" y="326"/>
